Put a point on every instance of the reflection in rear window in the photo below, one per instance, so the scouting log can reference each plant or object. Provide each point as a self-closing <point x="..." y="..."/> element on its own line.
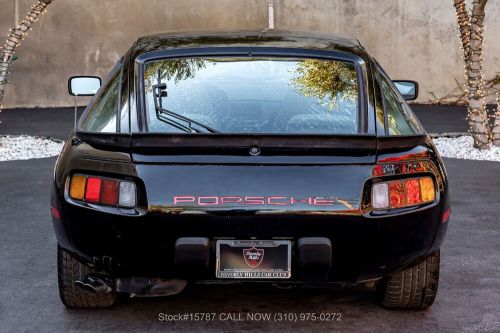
<point x="251" y="95"/>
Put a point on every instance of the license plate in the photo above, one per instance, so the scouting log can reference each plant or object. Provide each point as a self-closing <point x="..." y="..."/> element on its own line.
<point x="253" y="259"/>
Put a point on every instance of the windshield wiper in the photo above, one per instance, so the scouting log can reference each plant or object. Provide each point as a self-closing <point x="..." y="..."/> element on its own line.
<point x="192" y="126"/>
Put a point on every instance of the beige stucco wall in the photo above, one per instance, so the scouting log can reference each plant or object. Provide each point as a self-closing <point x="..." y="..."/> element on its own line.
<point x="411" y="39"/>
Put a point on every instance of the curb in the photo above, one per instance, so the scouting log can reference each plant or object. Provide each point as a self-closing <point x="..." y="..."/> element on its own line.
<point x="448" y="134"/>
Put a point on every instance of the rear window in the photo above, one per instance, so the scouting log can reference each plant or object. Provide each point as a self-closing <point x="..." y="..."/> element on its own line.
<point x="251" y="95"/>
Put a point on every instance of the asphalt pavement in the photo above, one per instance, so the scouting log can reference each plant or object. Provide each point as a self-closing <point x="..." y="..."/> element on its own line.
<point x="468" y="297"/>
<point x="51" y="122"/>
<point x="438" y="119"/>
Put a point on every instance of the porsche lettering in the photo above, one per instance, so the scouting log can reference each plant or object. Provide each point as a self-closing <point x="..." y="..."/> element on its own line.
<point x="278" y="200"/>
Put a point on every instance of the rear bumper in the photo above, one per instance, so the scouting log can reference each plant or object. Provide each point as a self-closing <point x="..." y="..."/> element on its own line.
<point x="362" y="248"/>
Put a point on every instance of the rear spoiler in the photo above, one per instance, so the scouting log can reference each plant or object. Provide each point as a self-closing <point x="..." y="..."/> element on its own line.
<point x="106" y="141"/>
<point x="253" y="149"/>
<point x="147" y="142"/>
<point x="239" y="144"/>
<point x="400" y="142"/>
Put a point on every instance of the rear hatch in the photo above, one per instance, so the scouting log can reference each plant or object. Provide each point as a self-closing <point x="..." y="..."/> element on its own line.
<point x="263" y="174"/>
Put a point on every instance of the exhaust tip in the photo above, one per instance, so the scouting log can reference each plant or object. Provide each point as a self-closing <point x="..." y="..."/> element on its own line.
<point x="93" y="285"/>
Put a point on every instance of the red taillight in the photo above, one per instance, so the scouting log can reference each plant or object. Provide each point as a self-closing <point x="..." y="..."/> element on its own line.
<point x="109" y="192"/>
<point x="403" y="193"/>
<point x="93" y="190"/>
<point x="102" y="191"/>
<point x="413" y="192"/>
<point x="397" y="194"/>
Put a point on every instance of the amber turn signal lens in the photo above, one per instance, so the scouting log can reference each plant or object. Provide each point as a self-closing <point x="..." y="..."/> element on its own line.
<point x="77" y="187"/>
<point x="427" y="189"/>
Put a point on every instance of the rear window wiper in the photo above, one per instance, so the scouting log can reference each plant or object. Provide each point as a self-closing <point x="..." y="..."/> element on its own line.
<point x="173" y="118"/>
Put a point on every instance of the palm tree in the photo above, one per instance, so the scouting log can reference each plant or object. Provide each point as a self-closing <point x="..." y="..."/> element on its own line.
<point x="471" y="28"/>
<point x="14" y="39"/>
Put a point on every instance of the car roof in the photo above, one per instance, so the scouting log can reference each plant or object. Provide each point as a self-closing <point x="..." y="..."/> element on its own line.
<point x="246" y="38"/>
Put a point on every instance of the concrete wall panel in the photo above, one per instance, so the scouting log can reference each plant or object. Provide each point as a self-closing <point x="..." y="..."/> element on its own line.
<point x="411" y="39"/>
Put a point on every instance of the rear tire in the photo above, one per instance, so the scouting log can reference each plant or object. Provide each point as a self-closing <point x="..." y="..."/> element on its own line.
<point x="413" y="288"/>
<point x="69" y="269"/>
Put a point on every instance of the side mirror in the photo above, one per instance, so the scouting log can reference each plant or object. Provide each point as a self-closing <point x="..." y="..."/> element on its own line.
<point x="83" y="85"/>
<point x="408" y="89"/>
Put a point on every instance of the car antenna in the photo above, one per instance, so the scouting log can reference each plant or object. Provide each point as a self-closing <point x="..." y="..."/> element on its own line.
<point x="76" y="111"/>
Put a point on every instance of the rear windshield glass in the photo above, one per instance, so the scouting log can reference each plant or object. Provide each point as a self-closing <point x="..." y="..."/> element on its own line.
<point x="251" y="95"/>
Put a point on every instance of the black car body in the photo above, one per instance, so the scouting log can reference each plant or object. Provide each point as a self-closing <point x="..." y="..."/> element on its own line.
<point x="293" y="204"/>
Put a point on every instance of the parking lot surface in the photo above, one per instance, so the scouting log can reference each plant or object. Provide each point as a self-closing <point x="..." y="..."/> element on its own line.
<point x="468" y="298"/>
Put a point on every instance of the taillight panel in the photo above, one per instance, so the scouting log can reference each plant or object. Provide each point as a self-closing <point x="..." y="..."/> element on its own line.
<point x="403" y="193"/>
<point x="103" y="191"/>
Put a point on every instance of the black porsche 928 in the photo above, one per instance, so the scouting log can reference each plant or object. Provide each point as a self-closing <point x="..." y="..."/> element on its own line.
<point x="280" y="157"/>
